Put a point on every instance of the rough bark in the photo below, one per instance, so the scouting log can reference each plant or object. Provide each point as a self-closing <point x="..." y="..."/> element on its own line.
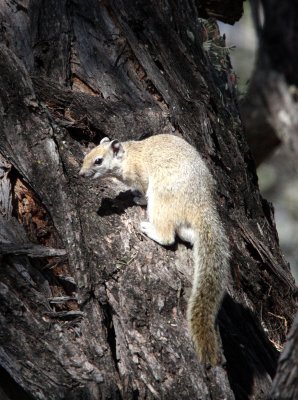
<point x="285" y="384"/>
<point x="270" y="113"/>
<point x="108" y="321"/>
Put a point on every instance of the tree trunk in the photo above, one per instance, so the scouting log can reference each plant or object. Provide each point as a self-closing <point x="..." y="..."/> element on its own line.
<point x="285" y="381"/>
<point x="270" y="109"/>
<point x="90" y="308"/>
<point x="270" y="112"/>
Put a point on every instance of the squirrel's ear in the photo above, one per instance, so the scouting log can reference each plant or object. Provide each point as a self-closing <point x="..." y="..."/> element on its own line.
<point x="104" y="140"/>
<point x="117" y="147"/>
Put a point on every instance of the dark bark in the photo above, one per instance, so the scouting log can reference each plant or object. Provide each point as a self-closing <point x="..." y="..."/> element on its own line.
<point x="109" y="321"/>
<point x="270" y="113"/>
<point x="285" y="384"/>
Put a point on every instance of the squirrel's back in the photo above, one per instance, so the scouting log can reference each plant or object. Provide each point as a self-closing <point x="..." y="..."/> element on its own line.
<point x="172" y="164"/>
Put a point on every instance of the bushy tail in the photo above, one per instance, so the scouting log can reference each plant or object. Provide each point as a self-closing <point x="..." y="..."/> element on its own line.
<point x="211" y="262"/>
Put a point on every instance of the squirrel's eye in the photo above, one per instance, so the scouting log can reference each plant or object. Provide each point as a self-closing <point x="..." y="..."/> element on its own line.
<point x="98" y="161"/>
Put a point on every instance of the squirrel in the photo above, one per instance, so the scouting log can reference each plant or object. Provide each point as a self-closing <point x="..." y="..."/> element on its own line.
<point x="179" y="191"/>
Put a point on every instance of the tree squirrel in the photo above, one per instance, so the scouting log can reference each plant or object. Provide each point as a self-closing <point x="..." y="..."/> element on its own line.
<point x="179" y="191"/>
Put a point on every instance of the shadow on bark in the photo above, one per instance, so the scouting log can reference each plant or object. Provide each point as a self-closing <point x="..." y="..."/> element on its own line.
<point x="248" y="352"/>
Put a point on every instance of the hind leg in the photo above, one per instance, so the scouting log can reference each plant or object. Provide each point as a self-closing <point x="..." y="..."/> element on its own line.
<point x="161" y="226"/>
<point x="160" y="233"/>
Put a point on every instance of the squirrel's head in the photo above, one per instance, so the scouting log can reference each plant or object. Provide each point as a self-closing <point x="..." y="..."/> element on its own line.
<point x="103" y="160"/>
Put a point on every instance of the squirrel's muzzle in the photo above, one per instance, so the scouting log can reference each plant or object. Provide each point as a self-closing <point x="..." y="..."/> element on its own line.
<point x="85" y="172"/>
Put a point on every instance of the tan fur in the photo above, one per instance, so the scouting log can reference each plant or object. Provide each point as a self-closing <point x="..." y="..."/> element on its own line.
<point x="178" y="187"/>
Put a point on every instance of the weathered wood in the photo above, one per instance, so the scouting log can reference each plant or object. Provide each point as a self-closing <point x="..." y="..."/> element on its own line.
<point x="125" y="69"/>
<point x="5" y="188"/>
<point x="285" y="384"/>
<point x="218" y="9"/>
<point x="270" y="114"/>
<point x="30" y="249"/>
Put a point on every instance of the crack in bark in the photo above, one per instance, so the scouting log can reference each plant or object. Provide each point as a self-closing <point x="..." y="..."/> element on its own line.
<point x="111" y="334"/>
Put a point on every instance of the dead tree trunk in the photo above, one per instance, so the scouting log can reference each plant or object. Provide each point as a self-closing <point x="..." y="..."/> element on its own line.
<point x="285" y="382"/>
<point x="269" y="110"/>
<point x="90" y="309"/>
